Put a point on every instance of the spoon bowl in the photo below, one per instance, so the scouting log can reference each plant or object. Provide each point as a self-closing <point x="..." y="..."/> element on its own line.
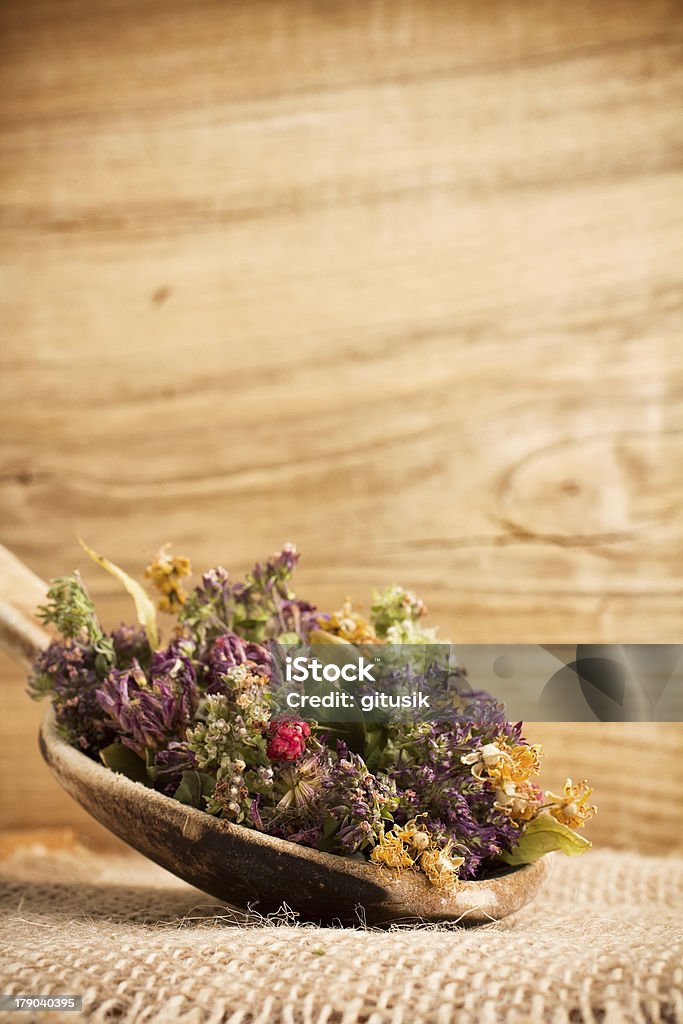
<point x="253" y="871"/>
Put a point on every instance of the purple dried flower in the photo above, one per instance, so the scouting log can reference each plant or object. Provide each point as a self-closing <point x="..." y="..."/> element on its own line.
<point x="130" y="644"/>
<point x="254" y="813"/>
<point x="432" y="779"/>
<point x="361" y="803"/>
<point x="276" y="570"/>
<point x="307" y="837"/>
<point x="260" y="608"/>
<point x="228" y="651"/>
<point x="207" y="612"/>
<point x="298" y="617"/>
<point x="174" y="660"/>
<point x="485" y="713"/>
<point x="215" y="582"/>
<point x="67" y="671"/>
<point x="265" y="605"/>
<point x="149" y="713"/>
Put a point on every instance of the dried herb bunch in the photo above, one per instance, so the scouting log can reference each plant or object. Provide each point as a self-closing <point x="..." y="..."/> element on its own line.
<point x="193" y="718"/>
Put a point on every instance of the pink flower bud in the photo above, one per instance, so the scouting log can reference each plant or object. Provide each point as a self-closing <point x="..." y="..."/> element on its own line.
<point x="287" y="740"/>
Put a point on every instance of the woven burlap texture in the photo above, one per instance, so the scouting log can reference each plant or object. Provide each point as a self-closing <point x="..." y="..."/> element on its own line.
<point x="602" y="943"/>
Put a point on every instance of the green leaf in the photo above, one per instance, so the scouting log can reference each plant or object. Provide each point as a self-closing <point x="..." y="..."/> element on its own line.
<point x="71" y="609"/>
<point x="40" y="686"/>
<point x="144" y="606"/>
<point x="352" y="733"/>
<point x="194" y="788"/>
<point x="125" y="761"/>
<point x="289" y="638"/>
<point x="377" y="739"/>
<point x="542" y="835"/>
<point x="328" y="841"/>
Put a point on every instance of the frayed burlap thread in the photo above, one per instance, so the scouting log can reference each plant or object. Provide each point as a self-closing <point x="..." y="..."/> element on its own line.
<point x="602" y="944"/>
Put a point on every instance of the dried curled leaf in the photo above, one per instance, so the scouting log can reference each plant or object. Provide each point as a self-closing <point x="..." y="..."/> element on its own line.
<point x="543" y="835"/>
<point x="144" y="606"/>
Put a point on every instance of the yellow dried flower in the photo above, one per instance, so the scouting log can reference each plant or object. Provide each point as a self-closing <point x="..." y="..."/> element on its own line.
<point x="392" y="852"/>
<point x="412" y="846"/>
<point x="345" y="625"/>
<point x="165" y="572"/>
<point x="526" y="761"/>
<point x="439" y="867"/>
<point x="520" y="801"/>
<point x="503" y="762"/>
<point x="572" y="808"/>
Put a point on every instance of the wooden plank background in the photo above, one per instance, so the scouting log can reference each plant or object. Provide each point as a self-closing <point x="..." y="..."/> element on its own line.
<point x="398" y="281"/>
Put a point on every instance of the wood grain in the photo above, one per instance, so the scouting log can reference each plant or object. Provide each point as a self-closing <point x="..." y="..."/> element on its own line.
<point x="400" y="282"/>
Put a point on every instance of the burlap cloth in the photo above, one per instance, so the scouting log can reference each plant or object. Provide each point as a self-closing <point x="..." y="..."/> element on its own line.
<point x="603" y="942"/>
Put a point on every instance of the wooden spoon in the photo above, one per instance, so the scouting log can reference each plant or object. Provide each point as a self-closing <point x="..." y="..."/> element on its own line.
<point x="239" y="865"/>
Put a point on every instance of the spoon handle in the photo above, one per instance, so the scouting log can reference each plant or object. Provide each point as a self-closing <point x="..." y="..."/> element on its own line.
<point x="21" y="591"/>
